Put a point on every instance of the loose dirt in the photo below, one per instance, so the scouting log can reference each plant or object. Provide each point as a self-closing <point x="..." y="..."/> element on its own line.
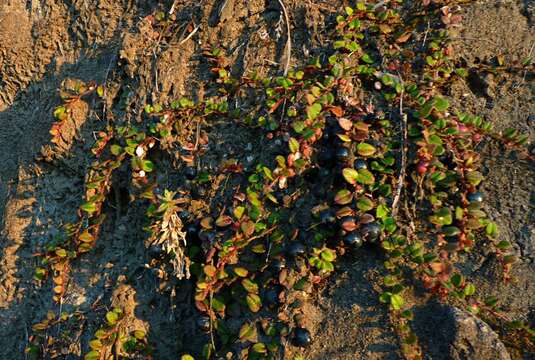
<point x="45" y="44"/>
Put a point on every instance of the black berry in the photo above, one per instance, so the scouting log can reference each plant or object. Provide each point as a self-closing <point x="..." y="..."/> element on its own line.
<point x="190" y="172"/>
<point x="296" y="249"/>
<point x="475" y="197"/>
<point x="203" y="323"/>
<point x="360" y="164"/>
<point x="342" y="154"/>
<point x="277" y="265"/>
<point x="353" y="240"/>
<point x="301" y="337"/>
<point x="371" y="232"/>
<point x="327" y="216"/>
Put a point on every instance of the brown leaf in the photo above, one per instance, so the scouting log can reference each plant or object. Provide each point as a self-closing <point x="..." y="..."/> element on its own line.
<point x="275" y="106"/>
<point x="437" y="267"/>
<point x="223" y="220"/>
<point x="403" y="37"/>
<point x="345" y="123"/>
<point x="206" y="223"/>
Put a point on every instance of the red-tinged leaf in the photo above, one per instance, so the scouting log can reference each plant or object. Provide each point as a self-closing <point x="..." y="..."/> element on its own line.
<point x="351" y="175"/>
<point x="254" y="302"/>
<point x="247" y="332"/>
<point x="210" y="270"/>
<point x="337" y="111"/>
<point x="403" y="37"/>
<point x="86" y="237"/>
<point x="345" y="211"/>
<point x="365" y="149"/>
<point x="345" y="123"/>
<point x="248" y="228"/>
<point x="343" y="197"/>
<point x="276" y="105"/>
<point x="189" y="159"/>
<point x="223" y="220"/>
<point x="201" y="306"/>
<point x="188" y="146"/>
<point x="206" y="223"/>
<point x="240" y="197"/>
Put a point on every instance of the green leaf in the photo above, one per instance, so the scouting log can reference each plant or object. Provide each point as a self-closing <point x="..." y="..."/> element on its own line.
<point x="382" y="211"/>
<point x="147" y="165"/>
<point x="442" y="217"/>
<point x="349" y="10"/>
<point x="396" y="301"/>
<point x="112" y="317"/>
<point x="441" y="104"/>
<point x="351" y="175"/>
<point x="59" y="111"/>
<point x="313" y="111"/>
<point x="491" y="301"/>
<point x="343" y="197"/>
<point x="187" y="357"/>
<point x="116" y="149"/>
<point x="328" y="255"/>
<point x="238" y="212"/>
<point x="339" y="44"/>
<point x="491" y="229"/>
<point x="101" y="334"/>
<point x="364" y="149"/>
<point x="457" y="280"/>
<point x="365" y="177"/>
<point x="242" y="272"/>
<point x="250" y="286"/>
<point x="260" y="348"/>
<point x="95" y="344"/>
<point x="503" y="245"/>
<point x="390" y="280"/>
<point x="247" y="332"/>
<point x="364" y="203"/>
<point x="474" y="177"/>
<point x="367" y="59"/>
<point x="298" y="126"/>
<point x="469" y="289"/>
<point x="89" y="207"/>
<point x="92" y="355"/>
<point x="294" y="145"/>
<point x="451" y="230"/>
<point x="100" y="91"/>
<point x="218" y="304"/>
<point x="254" y="302"/>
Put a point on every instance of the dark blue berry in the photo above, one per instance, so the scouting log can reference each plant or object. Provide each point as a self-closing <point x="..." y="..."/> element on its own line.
<point x="190" y="172"/>
<point x="360" y="164"/>
<point x="203" y="323"/>
<point x="296" y="249"/>
<point x="277" y="265"/>
<point x="475" y="197"/>
<point x="301" y="337"/>
<point x="371" y="232"/>
<point x="342" y="154"/>
<point x="353" y="240"/>
<point x="327" y="216"/>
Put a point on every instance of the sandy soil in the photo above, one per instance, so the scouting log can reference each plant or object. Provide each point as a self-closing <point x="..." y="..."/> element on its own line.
<point x="45" y="43"/>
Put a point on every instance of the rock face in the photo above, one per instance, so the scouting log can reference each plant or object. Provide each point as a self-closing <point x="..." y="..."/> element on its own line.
<point x="475" y="339"/>
<point x="446" y="332"/>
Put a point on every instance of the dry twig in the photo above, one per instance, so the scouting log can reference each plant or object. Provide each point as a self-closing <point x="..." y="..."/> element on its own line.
<point x="288" y="40"/>
<point x="402" y="171"/>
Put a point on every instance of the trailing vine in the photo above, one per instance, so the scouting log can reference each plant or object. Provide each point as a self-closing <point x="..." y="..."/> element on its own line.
<point x="392" y="164"/>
